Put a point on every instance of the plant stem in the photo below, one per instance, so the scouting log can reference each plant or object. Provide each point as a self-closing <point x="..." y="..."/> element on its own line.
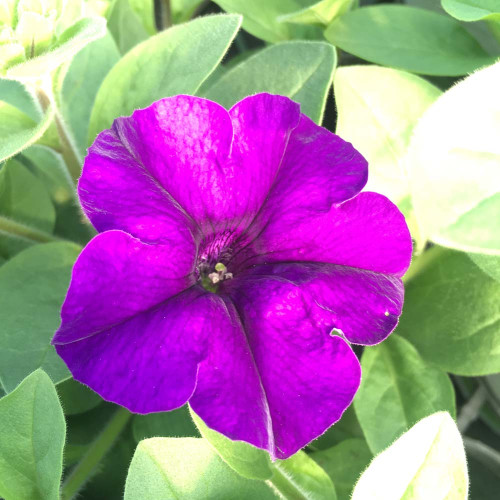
<point x="98" y="449"/>
<point x="69" y="151"/>
<point x="483" y="453"/>
<point x="18" y="230"/>
<point x="470" y="411"/>
<point x="163" y="14"/>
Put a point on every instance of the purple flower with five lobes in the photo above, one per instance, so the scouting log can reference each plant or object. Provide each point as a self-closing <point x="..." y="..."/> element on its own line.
<point x="236" y="260"/>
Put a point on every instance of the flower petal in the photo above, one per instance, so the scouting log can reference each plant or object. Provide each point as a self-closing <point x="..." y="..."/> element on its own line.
<point x="318" y="169"/>
<point x="286" y="382"/>
<point x="117" y="276"/>
<point x="186" y="143"/>
<point x="361" y="306"/>
<point x="117" y="192"/>
<point x="366" y="232"/>
<point x="150" y="362"/>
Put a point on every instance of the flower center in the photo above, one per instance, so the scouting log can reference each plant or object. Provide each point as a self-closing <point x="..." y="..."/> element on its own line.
<point x="215" y="253"/>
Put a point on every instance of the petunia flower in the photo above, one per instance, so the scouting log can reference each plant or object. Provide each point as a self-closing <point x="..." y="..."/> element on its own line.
<point x="236" y="260"/>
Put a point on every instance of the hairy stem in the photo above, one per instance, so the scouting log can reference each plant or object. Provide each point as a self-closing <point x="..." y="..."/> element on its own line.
<point x="15" y="229"/>
<point x="163" y="14"/>
<point x="69" y="151"/>
<point x="98" y="449"/>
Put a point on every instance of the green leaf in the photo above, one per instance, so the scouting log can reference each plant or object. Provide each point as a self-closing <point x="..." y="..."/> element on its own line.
<point x="126" y="28"/>
<point x="15" y="94"/>
<point x="428" y="461"/>
<point x="145" y="12"/>
<point x="377" y="111"/>
<point x="172" y="468"/>
<point x="302" y="71"/>
<point x="490" y="264"/>
<point x="300" y="477"/>
<point x="70" y="43"/>
<point x="321" y="12"/>
<point x="407" y="38"/>
<point x="472" y="10"/>
<point x="452" y="315"/>
<point x="81" y="83"/>
<point x="297" y="477"/>
<point x="346" y="428"/>
<point x="261" y="18"/>
<point x="244" y="458"/>
<point x="398" y="389"/>
<point x="344" y="464"/>
<point x="24" y="199"/>
<point x="182" y="10"/>
<point x="453" y="162"/>
<point x="76" y="398"/>
<point x="33" y="285"/>
<point x="156" y="68"/>
<point x="175" y="423"/>
<point x="18" y="131"/>
<point x="31" y="440"/>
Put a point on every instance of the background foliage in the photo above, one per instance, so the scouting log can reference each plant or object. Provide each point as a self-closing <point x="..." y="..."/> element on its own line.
<point x="401" y="80"/>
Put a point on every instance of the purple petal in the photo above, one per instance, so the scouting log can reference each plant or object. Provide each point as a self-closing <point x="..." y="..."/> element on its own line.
<point x="362" y="306"/>
<point x="278" y="380"/>
<point x="318" y="169"/>
<point x="186" y="143"/>
<point x="366" y="232"/>
<point x="150" y="362"/>
<point x="117" y="276"/>
<point x="117" y="192"/>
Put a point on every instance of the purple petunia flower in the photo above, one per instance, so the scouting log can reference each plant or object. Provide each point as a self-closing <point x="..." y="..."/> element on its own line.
<point x="235" y="258"/>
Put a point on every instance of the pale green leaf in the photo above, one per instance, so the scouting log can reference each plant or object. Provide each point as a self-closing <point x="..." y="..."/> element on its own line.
<point x="472" y="10"/>
<point x="398" y="388"/>
<point x="173" y="468"/>
<point x="302" y="71"/>
<point x="156" y="68"/>
<point x="426" y="462"/>
<point x="377" y="111"/>
<point x="32" y="432"/>
<point x="125" y="26"/>
<point x="322" y="12"/>
<point x="453" y="161"/>
<point x="70" y="43"/>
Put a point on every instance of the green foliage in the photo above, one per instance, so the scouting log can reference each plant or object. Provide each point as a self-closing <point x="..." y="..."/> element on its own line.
<point x="245" y="459"/>
<point x="81" y="83"/>
<point x="18" y="130"/>
<point x="32" y="288"/>
<point x="398" y="388"/>
<point x="76" y="398"/>
<point x="344" y="463"/>
<point x="175" y="423"/>
<point x="452" y="315"/>
<point x="125" y="26"/>
<point x="429" y="459"/>
<point x="302" y="71"/>
<point x="74" y="39"/>
<point x="424" y="42"/>
<point x="153" y="69"/>
<point x="472" y="10"/>
<point x="32" y="432"/>
<point x="171" y="468"/>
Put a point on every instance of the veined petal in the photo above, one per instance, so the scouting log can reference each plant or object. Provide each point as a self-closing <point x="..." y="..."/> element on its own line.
<point x="117" y="192"/>
<point x="279" y="380"/>
<point x="366" y="232"/>
<point x="116" y="277"/>
<point x="361" y="306"/>
<point x="218" y="165"/>
<point x="149" y="362"/>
